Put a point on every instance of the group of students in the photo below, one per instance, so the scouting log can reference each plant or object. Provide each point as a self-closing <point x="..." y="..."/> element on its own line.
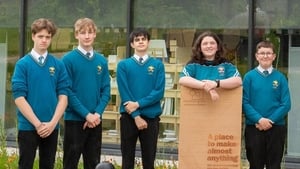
<point x="78" y="87"/>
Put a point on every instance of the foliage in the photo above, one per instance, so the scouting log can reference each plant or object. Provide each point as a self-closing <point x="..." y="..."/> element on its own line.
<point x="11" y="37"/>
<point x="9" y="161"/>
<point x="272" y="36"/>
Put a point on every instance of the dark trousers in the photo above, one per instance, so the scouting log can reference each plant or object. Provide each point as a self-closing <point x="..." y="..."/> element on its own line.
<point x="78" y="141"/>
<point x="147" y="137"/>
<point x="265" y="148"/>
<point x="29" y="141"/>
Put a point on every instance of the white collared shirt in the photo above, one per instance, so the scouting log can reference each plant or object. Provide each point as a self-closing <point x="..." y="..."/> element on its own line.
<point x="270" y="69"/>
<point x="85" y="52"/>
<point x="145" y="57"/>
<point x="36" y="56"/>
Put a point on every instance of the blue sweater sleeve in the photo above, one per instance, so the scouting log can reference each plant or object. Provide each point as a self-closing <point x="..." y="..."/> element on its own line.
<point x="250" y="112"/>
<point x="19" y="83"/>
<point x="104" y="91"/>
<point x="76" y="105"/>
<point x="285" y="102"/>
<point x="63" y="84"/>
<point x="123" y="86"/>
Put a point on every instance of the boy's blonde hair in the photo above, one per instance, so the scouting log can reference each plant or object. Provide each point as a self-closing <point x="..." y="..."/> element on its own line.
<point x="85" y="24"/>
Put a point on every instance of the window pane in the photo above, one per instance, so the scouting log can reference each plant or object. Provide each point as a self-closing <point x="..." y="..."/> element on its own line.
<point x="9" y="49"/>
<point x="208" y="14"/>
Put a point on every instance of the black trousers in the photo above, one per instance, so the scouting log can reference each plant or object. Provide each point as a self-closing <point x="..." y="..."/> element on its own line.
<point x="79" y="142"/>
<point x="265" y="148"/>
<point x="29" y="141"/>
<point x="147" y="137"/>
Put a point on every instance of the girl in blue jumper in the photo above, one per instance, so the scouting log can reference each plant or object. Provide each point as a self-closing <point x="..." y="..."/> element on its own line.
<point x="266" y="102"/>
<point x="208" y="69"/>
<point x="141" y="84"/>
<point x="40" y="87"/>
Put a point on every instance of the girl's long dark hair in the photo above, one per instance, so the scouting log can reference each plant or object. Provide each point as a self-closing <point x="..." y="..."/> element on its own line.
<point x="197" y="55"/>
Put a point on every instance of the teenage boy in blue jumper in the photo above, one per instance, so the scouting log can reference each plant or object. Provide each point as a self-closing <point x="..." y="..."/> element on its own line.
<point x="266" y="102"/>
<point x="40" y="87"/>
<point x="90" y="84"/>
<point x="141" y="84"/>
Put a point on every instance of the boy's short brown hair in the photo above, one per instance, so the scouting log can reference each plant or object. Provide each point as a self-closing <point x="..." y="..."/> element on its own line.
<point x="265" y="44"/>
<point x="43" y="23"/>
<point x="85" y="24"/>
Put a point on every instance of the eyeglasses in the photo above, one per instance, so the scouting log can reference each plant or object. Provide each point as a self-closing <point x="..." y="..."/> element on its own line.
<point x="265" y="54"/>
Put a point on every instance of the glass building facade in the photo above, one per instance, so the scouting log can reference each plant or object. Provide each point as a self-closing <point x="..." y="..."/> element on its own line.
<point x="239" y="23"/>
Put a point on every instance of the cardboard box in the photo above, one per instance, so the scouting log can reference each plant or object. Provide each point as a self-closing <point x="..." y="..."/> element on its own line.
<point x="173" y="43"/>
<point x="183" y="54"/>
<point x="210" y="131"/>
<point x="173" y="48"/>
<point x="172" y="60"/>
